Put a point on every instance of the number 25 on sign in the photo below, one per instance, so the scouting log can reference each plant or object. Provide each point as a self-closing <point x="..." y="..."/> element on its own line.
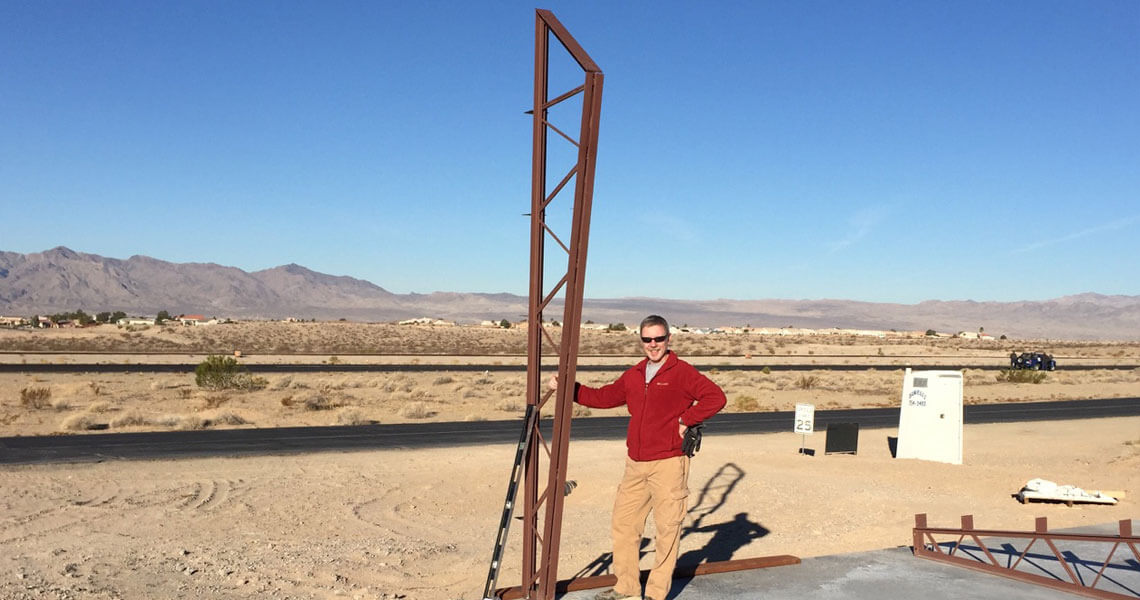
<point x="805" y="422"/>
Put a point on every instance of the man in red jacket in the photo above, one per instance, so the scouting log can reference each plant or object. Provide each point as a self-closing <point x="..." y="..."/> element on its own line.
<point x="665" y="396"/>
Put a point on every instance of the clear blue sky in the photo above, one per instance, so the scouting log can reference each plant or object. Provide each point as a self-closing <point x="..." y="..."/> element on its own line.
<point x="881" y="151"/>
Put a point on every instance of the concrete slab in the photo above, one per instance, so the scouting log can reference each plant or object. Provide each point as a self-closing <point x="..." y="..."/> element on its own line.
<point x="897" y="573"/>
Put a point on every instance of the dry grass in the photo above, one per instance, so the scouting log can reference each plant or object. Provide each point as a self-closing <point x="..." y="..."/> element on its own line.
<point x="415" y="410"/>
<point x="132" y="418"/>
<point x="745" y="404"/>
<point x="807" y="382"/>
<point x="35" y="397"/>
<point x="80" y="422"/>
<point x="227" y="418"/>
<point x="351" y="416"/>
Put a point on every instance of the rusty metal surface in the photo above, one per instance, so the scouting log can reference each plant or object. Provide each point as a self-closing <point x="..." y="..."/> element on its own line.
<point x="1034" y="568"/>
<point x="682" y="572"/>
<point x="541" y="541"/>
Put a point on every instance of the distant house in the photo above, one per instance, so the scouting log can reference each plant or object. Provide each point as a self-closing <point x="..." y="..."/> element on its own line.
<point x="135" y="321"/>
<point x="192" y="319"/>
<point x="12" y="321"/>
<point x="427" y="321"/>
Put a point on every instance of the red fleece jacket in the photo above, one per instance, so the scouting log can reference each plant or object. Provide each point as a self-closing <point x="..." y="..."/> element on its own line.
<point x="678" y="391"/>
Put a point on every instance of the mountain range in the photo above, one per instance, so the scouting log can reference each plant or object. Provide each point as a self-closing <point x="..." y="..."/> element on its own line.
<point x="62" y="280"/>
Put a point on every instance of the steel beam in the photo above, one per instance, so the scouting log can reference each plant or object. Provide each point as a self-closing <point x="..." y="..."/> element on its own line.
<point x="540" y="551"/>
<point x="928" y="547"/>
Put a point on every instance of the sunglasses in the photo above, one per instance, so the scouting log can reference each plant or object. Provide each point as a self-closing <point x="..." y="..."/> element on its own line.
<point x="658" y="339"/>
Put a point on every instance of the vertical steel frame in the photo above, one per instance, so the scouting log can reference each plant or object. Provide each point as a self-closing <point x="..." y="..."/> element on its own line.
<point x="540" y="542"/>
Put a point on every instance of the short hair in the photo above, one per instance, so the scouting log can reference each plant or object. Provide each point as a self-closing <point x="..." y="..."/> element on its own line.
<point x="654" y="320"/>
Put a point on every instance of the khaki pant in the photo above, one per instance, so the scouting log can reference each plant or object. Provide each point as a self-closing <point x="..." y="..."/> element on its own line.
<point x="661" y="486"/>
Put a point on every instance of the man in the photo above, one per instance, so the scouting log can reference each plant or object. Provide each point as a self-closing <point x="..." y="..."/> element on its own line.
<point x="665" y="396"/>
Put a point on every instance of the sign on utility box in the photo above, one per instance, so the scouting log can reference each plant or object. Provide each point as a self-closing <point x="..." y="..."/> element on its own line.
<point x="930" y="419"/>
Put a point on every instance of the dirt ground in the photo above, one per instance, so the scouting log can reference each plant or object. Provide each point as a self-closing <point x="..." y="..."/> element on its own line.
<point x="421" y="524"/>
<point x="45" y="404"/>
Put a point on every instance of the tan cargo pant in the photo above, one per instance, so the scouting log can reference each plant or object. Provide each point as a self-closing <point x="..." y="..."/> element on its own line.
<point x="661" y="486"/>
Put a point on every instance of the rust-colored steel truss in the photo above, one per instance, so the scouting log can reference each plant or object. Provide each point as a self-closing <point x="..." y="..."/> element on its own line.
<point x="952" y="551"/>
<point x="541" y="539"/>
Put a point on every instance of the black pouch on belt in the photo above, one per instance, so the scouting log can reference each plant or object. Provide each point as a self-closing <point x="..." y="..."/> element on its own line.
<point x="692" y="440"/>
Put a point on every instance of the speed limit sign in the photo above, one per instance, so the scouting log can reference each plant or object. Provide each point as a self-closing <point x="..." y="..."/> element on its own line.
<point x="805" y="418"/>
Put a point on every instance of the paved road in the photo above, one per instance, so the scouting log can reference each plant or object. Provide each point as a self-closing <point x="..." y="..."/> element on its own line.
<point x="238" y="442"/>
<point x="433" y="368"/>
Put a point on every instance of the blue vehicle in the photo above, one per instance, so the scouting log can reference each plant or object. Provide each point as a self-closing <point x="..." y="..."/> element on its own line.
<point x="1037" y="361"/>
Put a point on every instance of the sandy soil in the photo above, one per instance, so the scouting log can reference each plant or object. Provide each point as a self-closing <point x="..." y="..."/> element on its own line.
<point x="420" y="524"/>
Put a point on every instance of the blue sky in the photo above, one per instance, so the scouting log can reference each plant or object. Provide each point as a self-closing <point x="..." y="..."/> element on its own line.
<point x="879" y="151"/>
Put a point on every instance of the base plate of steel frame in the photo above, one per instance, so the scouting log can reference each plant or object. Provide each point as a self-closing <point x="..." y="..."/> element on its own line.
<point x="599" y="581"/>
<point x="1091" y="565"/>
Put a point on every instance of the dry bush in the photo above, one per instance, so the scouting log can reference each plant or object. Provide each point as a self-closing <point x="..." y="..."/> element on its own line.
<point x="318" y="401"/>
<point x="471" y="418"/>
<point x="442" y="380"/>
<point x="807" y="382"/>
<point x="581" y="411"/>
<point x="35" y="397"/>
<point x="485" y="379"/>
<point x="472" y="394"/>
<point x="287" y="401"/>
<point x="1021" y="376"/>
<point x="185" y="422"/>
<point x="60" y="404"/>
<point x="130" y="419"/>
<point x="227" y="418"/>
<point x="79" y="422"/>
<point x="415" y="410"/>
<point x="351" y="416"/>
<point x="158" y="384"/>
<point x="745" y="404"/>
<point x="101" y="406"/>
<point x="215" y="401"/>
<point x="508" y="405"/>
<point x="185" y="393"/>
<point x="282" y="383"/>
<point x="96" y="389"/>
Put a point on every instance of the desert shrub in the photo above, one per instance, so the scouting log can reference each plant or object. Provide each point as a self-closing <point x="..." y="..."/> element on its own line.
<point x="415" y="410"/>
<point x="98" y="407"/>
<point x="129" y="419"/>
<point x="318" y="401"/>
<point x="1021" y="376"/>
<point x="216" y="400"/>
<point x="217" y="373"/>
<point x="184" y="393"/>
<point x="766" y="370"/>
<point x="351" y="416"/>
<point x="287" y="400"/>
<point x="474" y="417"/>
<point x="508" y="406"/>
<point x="35" y="397"/>
<point x="282" y="383"/>
<point x="80" y="422"/>
<point x="581" y="411"/>
<point x="745" y="404"/>
<point x="485" y="380"/>
<point x="442" y="380"/>
<point x="807" y="382"/>
<point x="228" y="418"/>
<point x="60" y="404"/>
<point x="181" y="422"/>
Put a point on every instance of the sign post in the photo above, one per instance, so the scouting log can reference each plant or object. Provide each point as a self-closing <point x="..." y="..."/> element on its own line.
<point x="805" y="422"/>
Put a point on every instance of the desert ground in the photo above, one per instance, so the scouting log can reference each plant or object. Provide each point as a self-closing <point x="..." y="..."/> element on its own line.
<point x="45" y="404"/>
<point x="420" y="524"/>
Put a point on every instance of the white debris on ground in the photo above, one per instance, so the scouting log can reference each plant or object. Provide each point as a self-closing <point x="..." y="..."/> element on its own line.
<point x="1043" y="489"/>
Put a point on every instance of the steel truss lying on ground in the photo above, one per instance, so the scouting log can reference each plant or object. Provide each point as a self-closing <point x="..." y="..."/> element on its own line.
<point x="926" y="546"/>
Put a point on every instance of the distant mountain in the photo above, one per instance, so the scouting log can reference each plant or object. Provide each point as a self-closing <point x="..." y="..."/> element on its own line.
<point x="61" y="279"/>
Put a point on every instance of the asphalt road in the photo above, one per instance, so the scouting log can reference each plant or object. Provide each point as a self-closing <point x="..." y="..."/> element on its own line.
<point x="294" y="440"/>
<point x="431" y="368"/>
